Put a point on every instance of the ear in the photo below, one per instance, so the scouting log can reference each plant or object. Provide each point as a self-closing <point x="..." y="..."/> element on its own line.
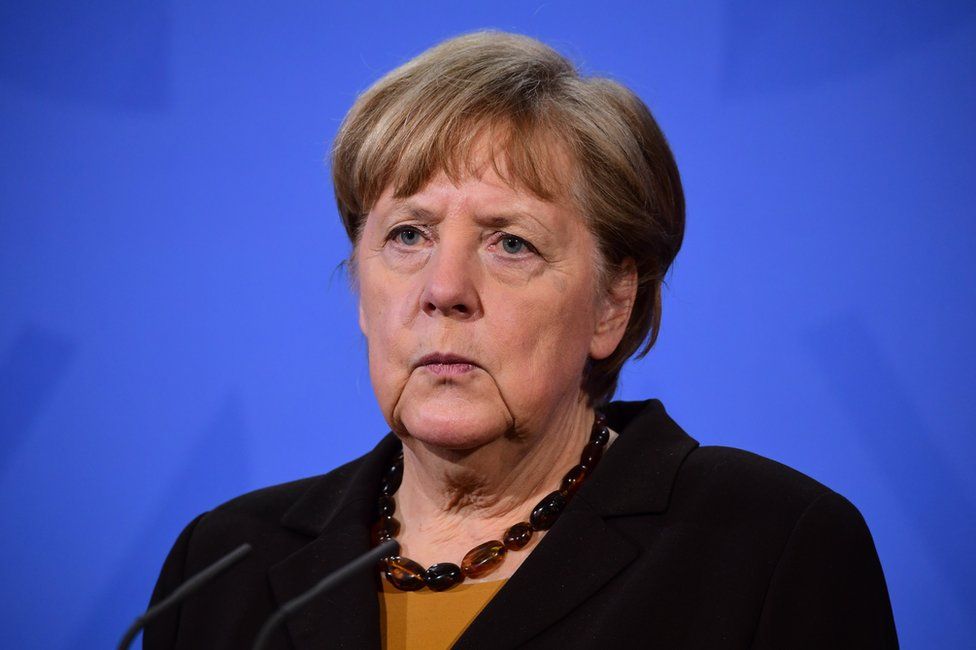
<point x="362" y="317"/>
<point x="352" y="273"/>
<point x="613" y="311"/>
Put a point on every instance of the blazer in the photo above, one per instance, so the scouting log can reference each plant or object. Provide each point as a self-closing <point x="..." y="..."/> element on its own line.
<point x="668" y="545"/>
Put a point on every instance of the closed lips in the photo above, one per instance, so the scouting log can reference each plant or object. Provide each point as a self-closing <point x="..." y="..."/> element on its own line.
<point x="447" y="363"/>
<point x="438" y="358"/>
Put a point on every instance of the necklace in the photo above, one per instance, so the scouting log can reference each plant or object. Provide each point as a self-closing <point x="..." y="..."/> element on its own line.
<point x="407" y="575"/>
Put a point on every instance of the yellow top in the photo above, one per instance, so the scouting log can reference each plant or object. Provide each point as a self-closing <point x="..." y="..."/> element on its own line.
<point x="428" y="619"/>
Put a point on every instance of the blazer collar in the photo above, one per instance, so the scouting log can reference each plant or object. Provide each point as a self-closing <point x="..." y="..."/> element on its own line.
<point x="576" y="557"/>
<point x="639" y="470"/>
<point x="583" y="551"/>
<point x="337" y="511"/>
<point x="344" y="492"/>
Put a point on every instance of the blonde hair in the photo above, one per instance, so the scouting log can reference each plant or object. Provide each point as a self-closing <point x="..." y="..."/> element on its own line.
<point x="533" y="108"/>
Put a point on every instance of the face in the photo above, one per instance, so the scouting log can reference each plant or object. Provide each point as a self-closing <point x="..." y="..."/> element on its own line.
<point x="480" y="304"/>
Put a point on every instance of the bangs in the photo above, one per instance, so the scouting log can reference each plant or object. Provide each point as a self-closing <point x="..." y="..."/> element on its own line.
<point x="525" y="151"/>
<point x="457" y="110"/>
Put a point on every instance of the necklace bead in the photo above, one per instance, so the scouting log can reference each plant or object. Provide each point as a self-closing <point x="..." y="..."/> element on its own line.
<point x="601" y="436"/>
<point x="572" y="481"/>
<point x="386" y="506"/>
<point x="404" y="574"/>
<point x="591" y="456"/>
<point x="483" y="559"/>
<point x="390" y="482"/>
<point x="384" y="529"/>
<point x="518" y="536"/>
<point x="407" y="575"/>
<point x="443" y="576"/>
<point x="545" y="514"/>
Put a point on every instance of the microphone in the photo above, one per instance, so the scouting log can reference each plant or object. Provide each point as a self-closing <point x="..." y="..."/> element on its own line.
<point x="386" y="549"/>
<point x="183" y="591"/>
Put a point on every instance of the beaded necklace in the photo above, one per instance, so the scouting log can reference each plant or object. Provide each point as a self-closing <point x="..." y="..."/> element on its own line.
<point x="407" y="575"/>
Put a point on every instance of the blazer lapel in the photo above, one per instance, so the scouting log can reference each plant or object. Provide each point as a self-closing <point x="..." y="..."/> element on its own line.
<point x="576" y="557"/>
<point x="348" y="615"/>
<point x="583" y="551"/>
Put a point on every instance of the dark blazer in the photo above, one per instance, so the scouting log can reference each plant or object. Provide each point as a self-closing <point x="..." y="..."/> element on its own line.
<point x="669" y="545"/>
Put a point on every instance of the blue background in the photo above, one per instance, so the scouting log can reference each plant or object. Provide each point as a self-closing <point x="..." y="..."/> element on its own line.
<point x="174" y="330"/>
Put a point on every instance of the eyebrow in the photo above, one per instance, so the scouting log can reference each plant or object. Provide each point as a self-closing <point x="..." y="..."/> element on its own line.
<point x="496" y="220"/>
<point x="505" y="219"/>
<point x="502" y="219"/>
<point x="402" y="206"/>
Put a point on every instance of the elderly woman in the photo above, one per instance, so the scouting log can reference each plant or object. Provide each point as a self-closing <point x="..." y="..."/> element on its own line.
<point x="511" y="223"/>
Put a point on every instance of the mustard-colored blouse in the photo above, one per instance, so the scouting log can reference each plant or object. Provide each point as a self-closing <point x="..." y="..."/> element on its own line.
<point x="430" y="620"/>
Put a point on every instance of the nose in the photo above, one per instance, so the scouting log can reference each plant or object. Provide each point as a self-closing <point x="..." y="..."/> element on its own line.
<point x="450" y="283"/>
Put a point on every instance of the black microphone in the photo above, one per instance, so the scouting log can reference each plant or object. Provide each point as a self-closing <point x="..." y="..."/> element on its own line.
<point x="364" y="561"/>
<point x="183" y="591"/>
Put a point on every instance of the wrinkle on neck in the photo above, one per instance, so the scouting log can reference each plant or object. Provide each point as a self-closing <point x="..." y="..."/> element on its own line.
<point x="450" y="501"/>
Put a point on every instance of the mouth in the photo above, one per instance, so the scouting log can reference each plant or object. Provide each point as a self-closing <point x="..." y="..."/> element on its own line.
<point x="446" y="365"/>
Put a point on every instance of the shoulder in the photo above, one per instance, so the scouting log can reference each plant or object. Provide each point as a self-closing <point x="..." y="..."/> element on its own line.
<point x="660" y="468"/>
<point x="265" y="510"/>
<point x="301" y="507"/>
<point x="822" y="581"/>
<point x="275" y="521"/>
<point x="747" y="475"/>
<point x="810" y="549"/>
<point x="263" y="518"/>
<point x="725" y="479"/>
<point x="728" y="484"/>
<point x="273" y="501"/>
<point x="747" y="536"/>
<point x="669" y="467"/>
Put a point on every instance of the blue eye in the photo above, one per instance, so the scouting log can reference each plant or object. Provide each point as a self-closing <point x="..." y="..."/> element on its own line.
<point x="408" y="236"/>
<point x="512" y="245"/>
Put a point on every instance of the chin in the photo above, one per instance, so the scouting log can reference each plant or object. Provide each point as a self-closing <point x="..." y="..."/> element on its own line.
<point x="454" y="421"/>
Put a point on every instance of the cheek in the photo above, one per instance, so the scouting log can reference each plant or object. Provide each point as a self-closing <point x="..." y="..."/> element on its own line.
<point x="383" y="327"/>
<point x="543" y="338"/>
<point x="380" y="299"/>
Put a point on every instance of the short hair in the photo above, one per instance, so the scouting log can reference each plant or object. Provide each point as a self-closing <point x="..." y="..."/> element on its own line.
<point x="427" y="115"/>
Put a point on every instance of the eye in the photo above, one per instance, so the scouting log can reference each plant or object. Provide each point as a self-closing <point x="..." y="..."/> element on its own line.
<point x="513" y="245"/>
<point x="407" y="235"/>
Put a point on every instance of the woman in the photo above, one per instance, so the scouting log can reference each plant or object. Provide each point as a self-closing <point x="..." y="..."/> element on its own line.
<point x="511" y="223"/>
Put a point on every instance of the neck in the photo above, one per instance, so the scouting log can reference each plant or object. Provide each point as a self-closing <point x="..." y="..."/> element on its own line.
<point x="450" y="501"/>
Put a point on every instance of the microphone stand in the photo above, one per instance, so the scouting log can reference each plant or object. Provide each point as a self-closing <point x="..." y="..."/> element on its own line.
<point x="183" y="591"/>
<point x="364" y="561"/>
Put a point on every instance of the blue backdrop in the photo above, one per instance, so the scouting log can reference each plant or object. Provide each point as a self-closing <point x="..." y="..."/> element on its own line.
<point x="174" y="332"/>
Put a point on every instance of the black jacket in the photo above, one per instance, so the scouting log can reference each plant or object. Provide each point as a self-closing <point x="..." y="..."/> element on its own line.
<point x="669" y="545"/>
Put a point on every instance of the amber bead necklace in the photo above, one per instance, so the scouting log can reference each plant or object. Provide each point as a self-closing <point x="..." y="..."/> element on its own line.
<point x="407" y="575"/>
